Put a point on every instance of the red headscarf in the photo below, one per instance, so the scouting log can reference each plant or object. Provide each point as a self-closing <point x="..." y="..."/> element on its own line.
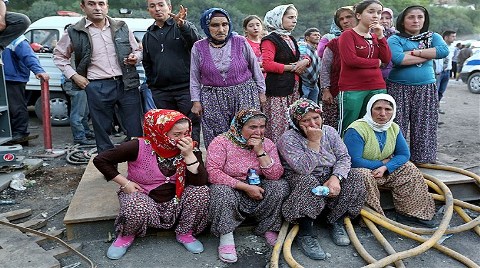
<point x="156" y="124"/>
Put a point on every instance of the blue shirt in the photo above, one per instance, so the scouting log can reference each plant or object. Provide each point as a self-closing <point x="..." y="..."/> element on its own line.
<point x="19" y="59"/>
<point x="415" y="74"/>
<point x="355" y="145"/>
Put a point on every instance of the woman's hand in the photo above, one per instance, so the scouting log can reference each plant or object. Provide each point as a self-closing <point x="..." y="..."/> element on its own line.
<point x="197" y="108"/>
<point x="377" y="29"/>
<point x="301" y="66"/>
<point x="386" y="160"/>
<point x="254" y="192"/>
<point x="262" y="98"/>
<point x="132" y="187"/>
<point x="327" y="97"/>
<point x="186" y="147"/>
<point x="333" y="183"/>
<point x="313" y="134"/>
<point x="256" y="142"/>
<point x="379" y="172"/>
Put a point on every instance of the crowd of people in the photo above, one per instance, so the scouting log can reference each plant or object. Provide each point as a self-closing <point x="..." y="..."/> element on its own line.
<point x="335" y="113"/>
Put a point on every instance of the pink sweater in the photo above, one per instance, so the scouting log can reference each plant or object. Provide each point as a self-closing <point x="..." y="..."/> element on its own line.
<point x="228" y="164"/>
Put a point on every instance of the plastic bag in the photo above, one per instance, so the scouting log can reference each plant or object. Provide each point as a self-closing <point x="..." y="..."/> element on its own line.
<point x="18" y="182"/>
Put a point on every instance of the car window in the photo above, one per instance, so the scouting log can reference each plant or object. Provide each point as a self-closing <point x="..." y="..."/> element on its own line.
<point x="45" y="39"/>
<point x="139" y="35"/>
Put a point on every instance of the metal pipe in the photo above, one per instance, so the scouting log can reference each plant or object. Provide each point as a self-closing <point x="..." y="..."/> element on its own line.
<point x="47" y="129"/>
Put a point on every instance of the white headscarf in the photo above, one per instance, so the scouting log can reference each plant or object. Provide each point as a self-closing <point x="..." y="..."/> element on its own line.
<point x="368" y="116"/>
<point x="273" y="19"/>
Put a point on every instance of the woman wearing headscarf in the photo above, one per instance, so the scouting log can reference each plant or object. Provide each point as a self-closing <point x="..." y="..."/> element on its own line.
<point x="381" y="153"/>
<point x="411" y="82"/>
<point x="225" y="76"/>
<point x="165" y="185"/>
<point x="314" y="155"/>
<point x="230" y="157"/>
<point x="344" y="19"/>
<point x="283" y="65"/>
<point x="386" y="20"/>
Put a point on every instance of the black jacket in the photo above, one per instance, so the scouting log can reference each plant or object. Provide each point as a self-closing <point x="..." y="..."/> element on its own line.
<point x="166" y="55"/>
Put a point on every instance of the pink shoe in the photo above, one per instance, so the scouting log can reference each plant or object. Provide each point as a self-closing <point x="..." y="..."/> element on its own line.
<point x="227" y="253"/>
<point x="190" y="242"/>
<point x="119" y="247"/>
<point x="271" y="237"/>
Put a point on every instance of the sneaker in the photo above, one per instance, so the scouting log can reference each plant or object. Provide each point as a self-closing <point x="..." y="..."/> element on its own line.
<point x="310" y="247"/>
<point x="339" y="234"/>
<point x="119" y="247"/>
<point x="190" y="243"/>
<point x="416" y="221"/>
<point x="85" y="142"/>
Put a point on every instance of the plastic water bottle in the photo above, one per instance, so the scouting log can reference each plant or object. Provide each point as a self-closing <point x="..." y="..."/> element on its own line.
<point x="252" y="177"/>
<point x="321" y="190"/>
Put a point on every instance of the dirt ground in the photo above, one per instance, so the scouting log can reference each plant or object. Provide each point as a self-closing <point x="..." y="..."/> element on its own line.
<point x="56" y="180"/>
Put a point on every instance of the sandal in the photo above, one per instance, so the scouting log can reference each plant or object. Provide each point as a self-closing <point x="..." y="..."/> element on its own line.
<point x="227" y="253"/>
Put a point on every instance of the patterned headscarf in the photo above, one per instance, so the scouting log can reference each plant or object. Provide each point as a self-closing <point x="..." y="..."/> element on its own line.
<point x="299" y="109"/>
<point x="368" y="116"/>
<point x="234" y="134"/>
<point x="156" y="124"/>
<point x="273" y="19"/>
<point x="205" y="22"/>
<point x="424" y="37"/>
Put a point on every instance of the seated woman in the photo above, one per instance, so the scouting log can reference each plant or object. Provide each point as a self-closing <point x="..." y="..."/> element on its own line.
<point x="165" y="185"/>
<point x="379" y="149"/>
<point x="229" y="158"/>
<point x="314" y="155"/>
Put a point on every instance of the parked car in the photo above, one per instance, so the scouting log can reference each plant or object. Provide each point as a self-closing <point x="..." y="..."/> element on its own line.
<point x="471" y="73"/>
<point x="44" y="34"/>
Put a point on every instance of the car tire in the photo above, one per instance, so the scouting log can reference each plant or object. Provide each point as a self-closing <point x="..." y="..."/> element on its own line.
<point x="473" y="83"/>
<point x="59" y="112"/>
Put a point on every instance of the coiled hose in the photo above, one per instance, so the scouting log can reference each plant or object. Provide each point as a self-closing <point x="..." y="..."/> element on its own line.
<point x="80" y="154"/>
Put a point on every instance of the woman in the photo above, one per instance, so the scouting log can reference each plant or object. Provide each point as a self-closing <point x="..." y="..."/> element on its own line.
<point x="362" y="49"/>
<point x="330" y="70"/>
<point x="165" y="185"/>
<point x="229" y="158"/>
<point x="282" y="63"/>
<point x="253" y="27"/>
<point x="225" y="76"/>
<point x="379" y="149"/>
<point x="313" y="154"/>
<point x="386" y="20"/>
<point x="412" y="81"/>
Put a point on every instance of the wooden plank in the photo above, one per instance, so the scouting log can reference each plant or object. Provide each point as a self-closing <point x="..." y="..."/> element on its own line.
<point x="34" y="223"/>
<point x="448" y="177"/>
<point x="62" y="251"/>
<point x="39" y="239"/>
<point x="16" y="214"/>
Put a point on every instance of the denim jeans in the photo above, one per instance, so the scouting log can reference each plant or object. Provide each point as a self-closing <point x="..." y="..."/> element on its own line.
<point x="310" y="93"/>
<point x="78" y="114"/>
<point x="442" y="82"/>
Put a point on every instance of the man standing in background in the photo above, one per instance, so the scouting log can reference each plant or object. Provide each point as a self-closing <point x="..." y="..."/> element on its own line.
<point x="166" y="59"/>
<point x="444" y="65"/>
<point x="12" y="25"/>
<point x="310" y="89"/>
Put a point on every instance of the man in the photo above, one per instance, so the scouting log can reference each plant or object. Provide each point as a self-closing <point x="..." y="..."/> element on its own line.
<point x="463" y="55"/>
<point x="105" y="56"/>
<point x="166" y="59"/>
<point x="445" y="65"/>
<point x="19" y="59"/>
<point x="310" y="89"/>
<point x="12" y="25"/>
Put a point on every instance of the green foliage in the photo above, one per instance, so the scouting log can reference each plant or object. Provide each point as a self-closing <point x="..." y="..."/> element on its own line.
<point x="42" y="9"/>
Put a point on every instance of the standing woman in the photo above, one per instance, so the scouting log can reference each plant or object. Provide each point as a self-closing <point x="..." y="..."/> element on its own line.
<point x="225" y="76"/>
<point x="253" y="27"/>
<point x="282" y="63"/>
<point x="363" y="49"/>
<point x="412" y="81"/>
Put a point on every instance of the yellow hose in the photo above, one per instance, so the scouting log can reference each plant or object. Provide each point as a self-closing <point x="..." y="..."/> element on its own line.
<point x="278" y="245"/>
<point x="356" y="242"/>
<point x="287" y="248"/>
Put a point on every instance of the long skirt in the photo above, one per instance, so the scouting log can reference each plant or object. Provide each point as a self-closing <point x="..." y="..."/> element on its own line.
<point x="221" y="104"/>
<point x="276" y="110"/>
<point x="138" y="212"/>
<point x="410" y="192"/>
<point x="417" y="107"/>
<point x="303" y="203"/>
<point x="230" y="207"/>
<point x="330" y="114"/>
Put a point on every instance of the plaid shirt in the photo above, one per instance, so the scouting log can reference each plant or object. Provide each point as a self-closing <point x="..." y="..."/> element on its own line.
<point x="310" y="77"/>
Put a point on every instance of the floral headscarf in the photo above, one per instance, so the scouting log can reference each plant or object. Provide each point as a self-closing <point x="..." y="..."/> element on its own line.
<point x="273" y="19"/>
<point x="234" y="134"/>
<point x="299" y="109"/>
<point x="368" y="116"/>
<point x="424" y="37"/>
<point x="205" y="22"/>
<point x="156" y="124"/>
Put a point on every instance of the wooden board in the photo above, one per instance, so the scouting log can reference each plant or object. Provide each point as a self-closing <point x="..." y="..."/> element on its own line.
<point x="448" y="177"/>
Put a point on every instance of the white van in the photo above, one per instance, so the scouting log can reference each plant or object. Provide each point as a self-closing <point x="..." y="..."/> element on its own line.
<point x="46" y="32"/>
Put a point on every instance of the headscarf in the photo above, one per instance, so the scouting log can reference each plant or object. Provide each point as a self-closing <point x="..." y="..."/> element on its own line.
<point x="390" y="30"/>
<point x="273" y="19"/>
<point x="234" y="134"/>
<point x="299" y="109"/>
<point x="334" y="29"/>
<point x="368" y="116"/>
<point x="156" y="124"/>
<point x="205" y="22"/>
<point x="424" y="37"/>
